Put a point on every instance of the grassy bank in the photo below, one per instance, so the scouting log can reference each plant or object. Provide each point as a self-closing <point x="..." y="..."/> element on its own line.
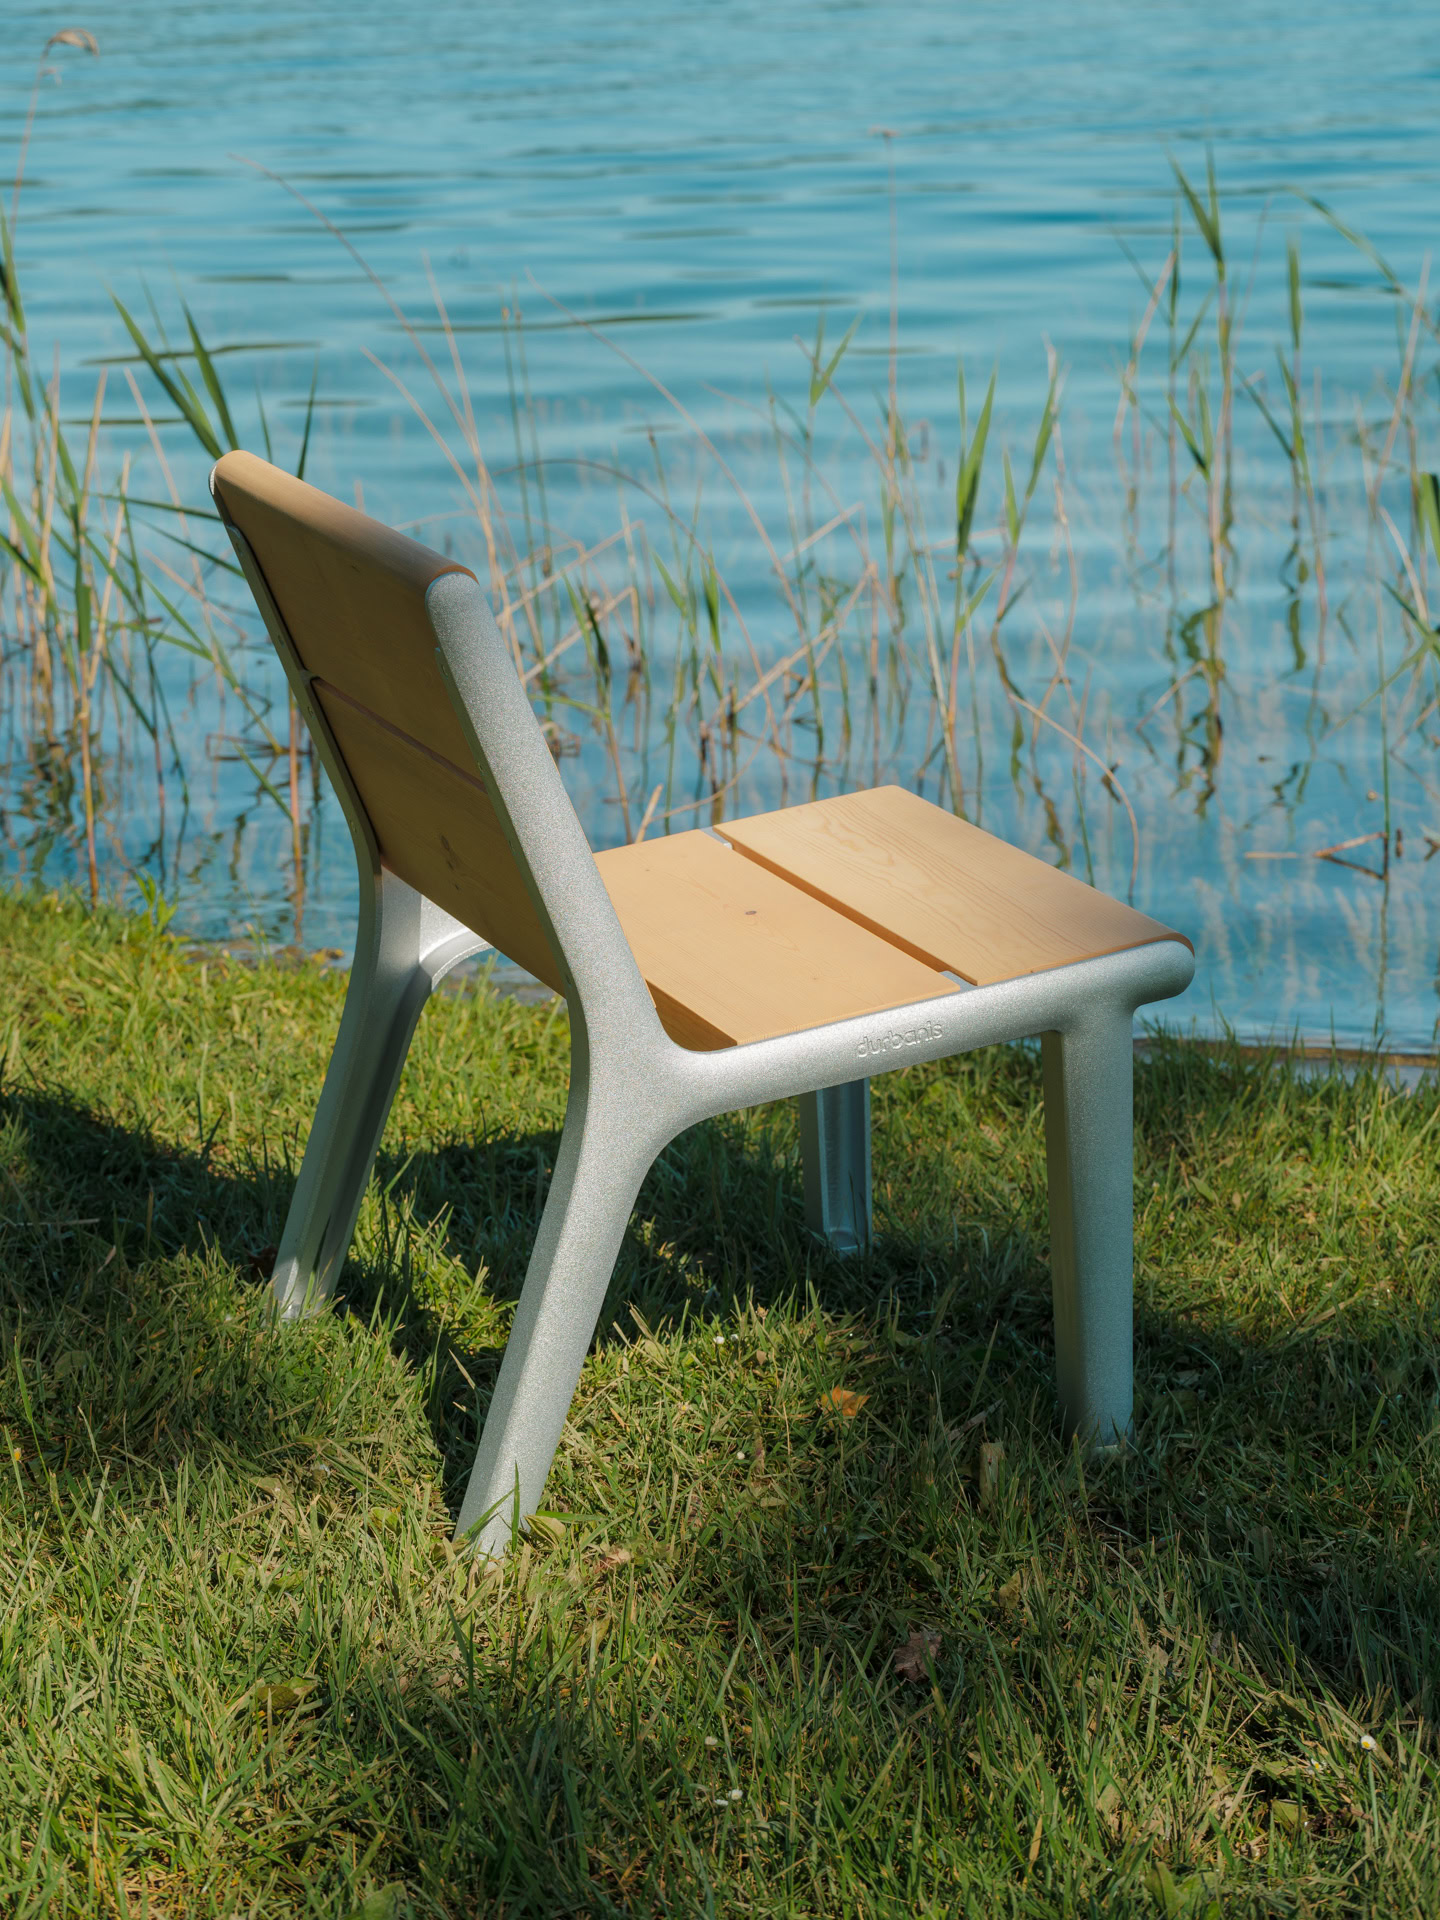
<point x="241" y="1671"/>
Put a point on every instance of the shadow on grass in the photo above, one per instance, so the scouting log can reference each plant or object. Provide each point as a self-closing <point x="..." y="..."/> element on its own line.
<point x="1250" y="1446"/>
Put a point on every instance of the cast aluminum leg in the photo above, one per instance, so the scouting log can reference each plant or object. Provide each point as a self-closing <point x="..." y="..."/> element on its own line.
<point x="598" y="1171"/>
<point x="835" y="1153"/>
<point x="403" y="948"/>
<point x="1088" y="1075"/>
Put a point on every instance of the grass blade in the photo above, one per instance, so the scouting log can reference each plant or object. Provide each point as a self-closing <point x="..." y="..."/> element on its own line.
<point x="211" y="379"/>
<point x="181" y="394"/>
<point x="967" y="483"/>
<point x="309" y="421"/>
<point x="821" y="378"/>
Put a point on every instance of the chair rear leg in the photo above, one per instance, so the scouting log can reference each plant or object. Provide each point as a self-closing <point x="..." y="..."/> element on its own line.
<point x="403" y="948"/>
<point x="835" y="1154"/>
<point x="597" y="1176"/>
<point x="1089" y="1144"/>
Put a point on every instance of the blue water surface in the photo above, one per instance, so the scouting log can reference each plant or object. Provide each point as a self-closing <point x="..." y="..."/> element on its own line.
<point x="701" y="184"/>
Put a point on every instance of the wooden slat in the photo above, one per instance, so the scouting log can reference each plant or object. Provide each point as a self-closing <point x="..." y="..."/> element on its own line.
<point x="351" y="592"/>
<point x="944" y="891"/>
<point x="732" y="954"/>
<point x="437" y="830"/>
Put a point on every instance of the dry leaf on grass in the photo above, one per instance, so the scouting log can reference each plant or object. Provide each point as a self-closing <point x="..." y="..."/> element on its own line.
<point x="919" y="1653"/>
<point x="611" y="1559"/>
<point x="842" y="1401"/>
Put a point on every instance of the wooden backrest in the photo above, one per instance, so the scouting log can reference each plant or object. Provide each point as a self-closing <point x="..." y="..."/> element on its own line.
<point x="350" y="593"/>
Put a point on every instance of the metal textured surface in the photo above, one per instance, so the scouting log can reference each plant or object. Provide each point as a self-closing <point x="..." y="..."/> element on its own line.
<point x="835" y="1155"/>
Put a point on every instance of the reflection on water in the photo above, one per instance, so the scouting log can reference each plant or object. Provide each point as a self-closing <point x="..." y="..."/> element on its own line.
<point x="1185" y="639"/>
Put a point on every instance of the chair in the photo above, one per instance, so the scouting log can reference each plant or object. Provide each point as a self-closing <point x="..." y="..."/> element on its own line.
<point x="795" y="953"/>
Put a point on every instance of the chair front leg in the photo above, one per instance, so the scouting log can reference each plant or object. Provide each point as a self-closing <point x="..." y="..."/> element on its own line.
<point x="835" y="1156"/>
<point x="602" y="1160"/>
<point x="1088" y="1076"/>
<point x="403" y="948"/>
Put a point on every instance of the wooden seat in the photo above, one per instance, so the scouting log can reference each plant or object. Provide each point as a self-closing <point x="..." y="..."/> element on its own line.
<point x="843" y="907"/>
<point x="732" y="952"/>
<point x="955" y="897"/>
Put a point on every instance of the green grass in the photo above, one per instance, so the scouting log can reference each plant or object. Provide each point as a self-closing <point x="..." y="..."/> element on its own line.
<point x="241" y="1671"/>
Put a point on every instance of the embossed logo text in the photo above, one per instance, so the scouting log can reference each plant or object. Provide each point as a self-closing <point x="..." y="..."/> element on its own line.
<point x="898" y="1039"/>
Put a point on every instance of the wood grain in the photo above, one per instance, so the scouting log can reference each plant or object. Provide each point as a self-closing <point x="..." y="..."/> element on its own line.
<point x="351" y="592"/>
<point x="437" y="829"/>
<point x="729" y="952"/>
<point x="732" y="953"/>
<point x="944" y="891"/>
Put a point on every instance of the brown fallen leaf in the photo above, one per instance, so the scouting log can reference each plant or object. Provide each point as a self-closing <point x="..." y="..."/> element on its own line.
<point x="611" y="1559"/>
<point x="918" y="1655"/>
<point x="842" y="1401"/>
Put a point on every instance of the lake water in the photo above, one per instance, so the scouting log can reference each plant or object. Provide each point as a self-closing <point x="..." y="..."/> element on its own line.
<point x="701" y="184"/>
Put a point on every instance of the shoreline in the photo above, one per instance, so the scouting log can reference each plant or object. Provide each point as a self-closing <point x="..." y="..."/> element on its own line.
<point x="1406" y="1068"/>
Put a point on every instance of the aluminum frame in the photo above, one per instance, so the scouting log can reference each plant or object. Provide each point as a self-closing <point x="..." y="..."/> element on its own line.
<point x="633" y="1089"/>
